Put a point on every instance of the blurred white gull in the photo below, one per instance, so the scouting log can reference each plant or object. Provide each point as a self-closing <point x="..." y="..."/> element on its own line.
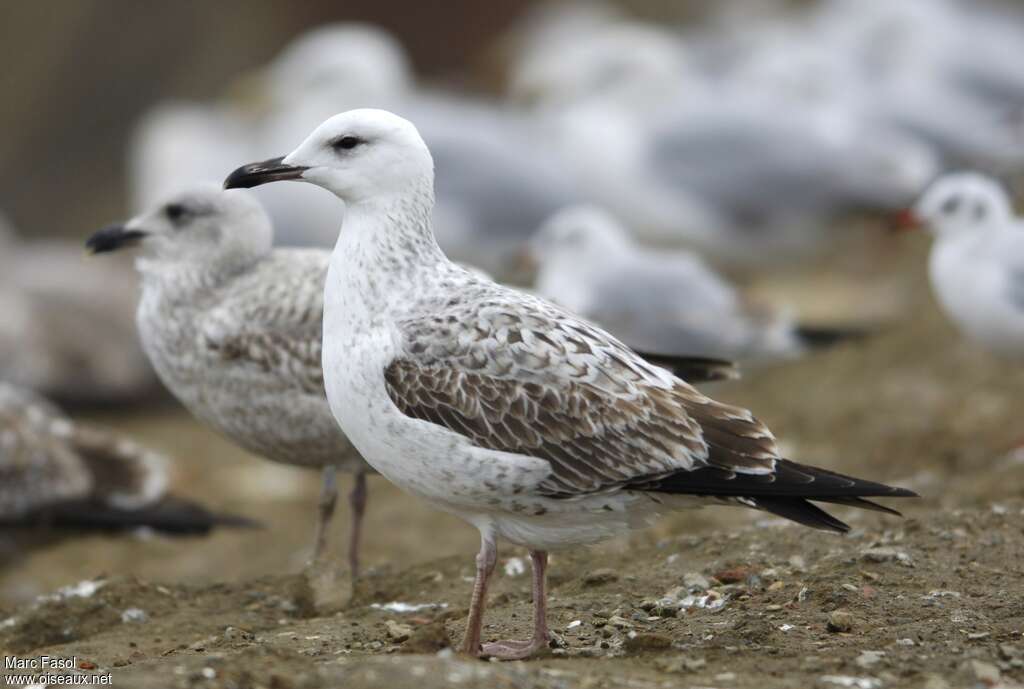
<point x="485" y="178"/>
<point x="180" y="144"/>
<point x="490" y="193"/>
<point x="658" y="300"/>
<point x="68" y="326"/>
<point x="977" y="259"/>
<point x="742" y="181"/>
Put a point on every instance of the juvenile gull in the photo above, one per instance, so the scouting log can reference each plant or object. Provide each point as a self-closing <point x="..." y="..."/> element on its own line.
<point x="58" y="478"/>
<point x="659" y="300"/>
<point x="977" y="260"/>
<point x="232" y="327"/>
<point x="506" y="410"/>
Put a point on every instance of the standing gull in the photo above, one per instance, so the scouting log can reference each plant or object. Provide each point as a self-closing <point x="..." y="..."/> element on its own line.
<point x="508" y="411"/>
<point x="977" y="261"/>
<point x="58" y="478"/>
<point x="232" y="327"/>
<point x="659" y="300"/>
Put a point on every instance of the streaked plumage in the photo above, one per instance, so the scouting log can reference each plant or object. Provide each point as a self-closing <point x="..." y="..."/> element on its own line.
<point x="233" y="328"/>
<point x="530" y="423"/>
<point x="58" y="478"/>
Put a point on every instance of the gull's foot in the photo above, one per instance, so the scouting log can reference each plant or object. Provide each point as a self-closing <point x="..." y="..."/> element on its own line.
<point x="513" y="649"/>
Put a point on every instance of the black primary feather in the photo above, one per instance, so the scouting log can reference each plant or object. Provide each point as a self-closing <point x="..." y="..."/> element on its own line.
<point x="784" y="492"/>
<point x="694" y="369"/>
<point x="170" y="516"/>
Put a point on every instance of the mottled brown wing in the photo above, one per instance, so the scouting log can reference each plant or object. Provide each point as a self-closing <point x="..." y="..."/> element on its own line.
<point x="274" y="323"/>
<point x="595" y="441"/>
<point x="37" y="468"/>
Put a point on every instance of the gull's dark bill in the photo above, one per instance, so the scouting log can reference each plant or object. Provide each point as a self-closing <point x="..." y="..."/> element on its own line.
<point x="112" y="238"/>
<point x="255" y="174"/>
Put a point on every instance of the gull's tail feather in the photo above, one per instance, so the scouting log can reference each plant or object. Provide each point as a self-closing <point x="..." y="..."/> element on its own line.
<point x="694" y="369"/>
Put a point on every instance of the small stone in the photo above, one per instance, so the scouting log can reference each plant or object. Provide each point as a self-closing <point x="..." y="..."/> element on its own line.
<point x="397" y="631"/>
<point x="725" y="676"/>
<point x="869" y="658"/>
<point x="696" y="581"/>
<point x="619" y="622"/>
<point x="601" y="576"/>
<point x="1008" y="651"/>
<point x="905" y="642"/>
<point x="797" y="563"/>
<point x="427" y="638"/>
<point x="986" y="673"/>
<point x="733" y="575"/>
<point x="680" y="664"/>
<point x="647" y="641"/>
<point x="850" y="587"/>
<point x="977" y="636"/>
<point x="134" y="615"/>
<point x="887" y="554"/>
<point x="935" y="682"/>
<point x="840" y="621"/>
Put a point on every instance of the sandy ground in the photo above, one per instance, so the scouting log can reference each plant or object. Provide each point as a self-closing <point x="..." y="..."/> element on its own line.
<point x="715" y="598"/>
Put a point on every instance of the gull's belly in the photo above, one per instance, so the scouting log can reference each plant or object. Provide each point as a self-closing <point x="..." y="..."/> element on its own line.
<point x="418" y="456"/>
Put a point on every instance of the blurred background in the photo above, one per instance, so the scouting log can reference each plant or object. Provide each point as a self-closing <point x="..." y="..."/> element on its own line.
<point x="751" y="155"/>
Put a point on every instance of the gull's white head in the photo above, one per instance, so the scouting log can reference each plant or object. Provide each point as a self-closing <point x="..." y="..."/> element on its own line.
<point x="579" y="234"/>
<point x="360" y="155"/>
<point x="962" y="202"/>
<point x="204" y="227"/>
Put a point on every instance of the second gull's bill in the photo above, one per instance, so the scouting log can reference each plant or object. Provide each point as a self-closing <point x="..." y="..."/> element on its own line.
<point x="508" y="411"/>
<point x="232" y="327"/>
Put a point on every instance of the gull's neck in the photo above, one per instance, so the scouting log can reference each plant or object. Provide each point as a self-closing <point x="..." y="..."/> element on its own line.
<point x="385" y="256"/>
<point x="181" y="281"/>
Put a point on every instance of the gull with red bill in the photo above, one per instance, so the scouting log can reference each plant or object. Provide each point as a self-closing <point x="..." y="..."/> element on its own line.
<point x="976" y="264"/>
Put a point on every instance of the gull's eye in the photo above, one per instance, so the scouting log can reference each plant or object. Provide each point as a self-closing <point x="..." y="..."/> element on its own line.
<point x="347" y="142"/>
<point x="980" y="212"/>
<point x="175" y="212"/>
<point x="950" y="205"/>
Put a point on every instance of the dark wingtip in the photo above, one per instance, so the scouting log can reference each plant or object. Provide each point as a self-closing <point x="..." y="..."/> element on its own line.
<point x="823" y="337"/>
<point x="694" y="369"/>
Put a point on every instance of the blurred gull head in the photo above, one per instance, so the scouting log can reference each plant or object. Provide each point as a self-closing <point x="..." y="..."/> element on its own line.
<point x="629" y="64"/>
<point x="963" y="202"/>
<point x="577" y="233"/>
<point x="349" y="63"/>
<point x="203" y="227"/>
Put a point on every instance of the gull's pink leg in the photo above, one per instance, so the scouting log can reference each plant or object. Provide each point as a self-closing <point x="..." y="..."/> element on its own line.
<point x="485" y="561"/>
<point x="357" y="504"/>
<point x="517" y="650"/>
<point x="325" y="510"/>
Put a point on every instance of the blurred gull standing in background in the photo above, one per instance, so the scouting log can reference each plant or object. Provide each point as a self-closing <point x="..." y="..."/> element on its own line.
<point x="490" y="194"/>
<point x="658" y="300"/>
<point x="976" y="264"/>
<point x="59" y="478"/>
<point x="233" y="326"/>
